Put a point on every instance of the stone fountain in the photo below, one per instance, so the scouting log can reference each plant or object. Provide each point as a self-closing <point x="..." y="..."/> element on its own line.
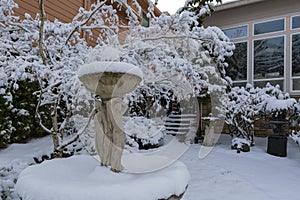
<point x="111" y="80"/>
<point x="81" y="175"/>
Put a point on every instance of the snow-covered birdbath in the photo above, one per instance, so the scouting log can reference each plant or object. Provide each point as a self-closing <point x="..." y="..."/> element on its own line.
<point x="110" y="80"/>
<point x="209" y="138"/>
<point x="82" y="177"/>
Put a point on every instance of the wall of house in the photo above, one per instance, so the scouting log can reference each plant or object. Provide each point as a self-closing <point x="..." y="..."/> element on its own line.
<point x="245" y="13"/>
<point x="252" y="12"/>
<point x="64" y="10"/>
<point x="261" y="11"/>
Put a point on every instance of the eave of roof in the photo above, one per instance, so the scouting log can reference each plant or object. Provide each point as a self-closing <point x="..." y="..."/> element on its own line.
<point x="235" y="4"/>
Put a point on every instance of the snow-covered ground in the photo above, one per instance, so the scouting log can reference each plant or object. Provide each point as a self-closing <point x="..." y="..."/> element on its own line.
<point x="223" y="174"/>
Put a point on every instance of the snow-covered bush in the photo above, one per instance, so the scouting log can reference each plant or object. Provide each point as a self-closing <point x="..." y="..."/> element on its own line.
<point x="188" y="61"/>
<point x="295" y="118"/>
<point x="147" y="133"/>
<point x="178" y="60"/>
<point x="240" y="144"/>
<point x="247" y="104"/>
<point x="295" y="123"/>
<point x="36" y="50"/>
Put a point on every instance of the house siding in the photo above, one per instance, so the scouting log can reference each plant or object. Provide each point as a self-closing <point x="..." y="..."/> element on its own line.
<point x="64" y="10"/>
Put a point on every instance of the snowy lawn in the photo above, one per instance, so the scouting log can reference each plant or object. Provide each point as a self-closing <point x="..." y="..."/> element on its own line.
<point x="223" y="174"/>
<point x="17" y="157"/>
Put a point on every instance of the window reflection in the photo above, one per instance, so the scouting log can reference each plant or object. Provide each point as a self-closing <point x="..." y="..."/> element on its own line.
<point x="268" y="27"/>
<point x="269" y="58"/>
<point x="237" y="63"/>
<point x="296" y="22"/>
<point x="236" y="32"/>
<point x="296" y="84"/>
<point x="272" y="82"/>
<point x="296" y="55"/>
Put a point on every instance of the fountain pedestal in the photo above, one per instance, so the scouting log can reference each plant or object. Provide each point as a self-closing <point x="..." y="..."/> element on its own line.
<point x="111" y="81"/>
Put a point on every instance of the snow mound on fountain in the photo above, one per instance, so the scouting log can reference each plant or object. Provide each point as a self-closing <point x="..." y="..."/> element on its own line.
<point x="81" y="177"/>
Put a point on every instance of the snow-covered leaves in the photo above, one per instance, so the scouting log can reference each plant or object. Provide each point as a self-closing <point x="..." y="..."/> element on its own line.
<point x="171" y="51"/>
<point x="247" y="104"/>
<point x="64" y="47"/>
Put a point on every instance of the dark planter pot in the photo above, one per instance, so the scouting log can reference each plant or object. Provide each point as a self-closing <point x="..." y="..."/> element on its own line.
<point x="277" y="145"/>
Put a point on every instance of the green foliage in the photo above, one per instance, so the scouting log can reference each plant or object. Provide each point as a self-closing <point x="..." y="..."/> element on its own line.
<point x="5" y="123"/>
<point x="17" y="117"/>
<point x="196" y="7"/>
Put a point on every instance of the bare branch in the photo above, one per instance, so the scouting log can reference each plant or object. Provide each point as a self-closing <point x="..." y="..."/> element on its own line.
<point x="41" y="31"/>
<point x="80" y="132"/>
<point x="54" y="116"/>
<point x="17" y="25"/>
<point x="85" y="22"/>
<point x="37" y="114"/>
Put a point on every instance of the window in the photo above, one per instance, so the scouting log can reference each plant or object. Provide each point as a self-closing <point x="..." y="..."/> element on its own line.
<point x="272" y="82"/>
<point x="236" y="32"/>
<point x="296" y="61"/>
<point x="237" y="63"/>
<point x="296" y="22"/>
<point x="145" y="20"/>
<point x="269" y="58"/>
<point x="269" y="27"/>
<point x="296" y="84"/>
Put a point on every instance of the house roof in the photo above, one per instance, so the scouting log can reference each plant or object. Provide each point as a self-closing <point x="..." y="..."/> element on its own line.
<point x="235" y="4"/>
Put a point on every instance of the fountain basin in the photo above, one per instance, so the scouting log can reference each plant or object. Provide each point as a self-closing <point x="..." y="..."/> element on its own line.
<point x="110" y="79"/>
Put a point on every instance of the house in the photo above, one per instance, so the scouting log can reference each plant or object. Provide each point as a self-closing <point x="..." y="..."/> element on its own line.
<point x="267" y="38"/>
<point x="65" y="11"/>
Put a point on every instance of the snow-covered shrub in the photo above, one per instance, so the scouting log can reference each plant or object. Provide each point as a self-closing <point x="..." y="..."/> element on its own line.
<point x="295" y="118"/>
<point x="295" y="123"/>
<point x="49" y="53"/>
<point x="18" y="123"/>
<point x="147" y="133"/>
<point x="150" y="102"/>
<point x="295" y="136"/>
<point x="240" y="144"/>
<point x="247" y="104"/>
<point x="179" y="59"/>
<point x="8" y="179"/>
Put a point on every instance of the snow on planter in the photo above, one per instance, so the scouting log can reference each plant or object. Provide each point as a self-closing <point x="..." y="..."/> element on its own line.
<point x="81" y="177"/>
<point x="280" y="104"/>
